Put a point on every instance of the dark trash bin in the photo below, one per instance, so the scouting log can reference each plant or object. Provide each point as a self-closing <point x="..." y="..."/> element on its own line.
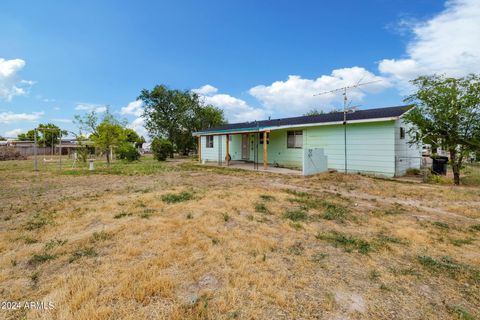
<point x="439" y="165"/>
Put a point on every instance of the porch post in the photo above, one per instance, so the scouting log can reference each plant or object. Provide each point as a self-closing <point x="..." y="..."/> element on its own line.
<point x="227" y="151"/>
<point x="265" y="156"/>
<point x="200" y="149"/>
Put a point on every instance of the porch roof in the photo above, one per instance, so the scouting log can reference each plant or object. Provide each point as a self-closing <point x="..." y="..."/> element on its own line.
<point x="368" y="115"/>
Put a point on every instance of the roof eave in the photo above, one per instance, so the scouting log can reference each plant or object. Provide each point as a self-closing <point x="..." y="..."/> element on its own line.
<point x="316" y="124"/>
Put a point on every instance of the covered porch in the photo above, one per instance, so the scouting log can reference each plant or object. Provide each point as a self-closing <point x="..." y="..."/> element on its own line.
<point x="272" y="149"/>
<point x="244" y="165"/>
<point x="278" y="150"/>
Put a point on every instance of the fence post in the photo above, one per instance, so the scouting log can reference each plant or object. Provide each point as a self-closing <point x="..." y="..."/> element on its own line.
<point x="35" y="165"/>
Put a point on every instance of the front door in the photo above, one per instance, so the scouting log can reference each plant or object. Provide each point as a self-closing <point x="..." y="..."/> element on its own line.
<point x="244" y="146"/>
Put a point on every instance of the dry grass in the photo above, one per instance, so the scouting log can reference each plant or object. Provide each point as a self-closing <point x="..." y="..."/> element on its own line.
<point x="189" y="242"/>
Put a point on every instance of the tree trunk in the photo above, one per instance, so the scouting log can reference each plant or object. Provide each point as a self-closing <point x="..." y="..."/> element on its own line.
<point x="108" y="158"/>
<point x="456" y="164"/>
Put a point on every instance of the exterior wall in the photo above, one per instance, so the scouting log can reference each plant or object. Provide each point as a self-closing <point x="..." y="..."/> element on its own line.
<point x="235" y="147"/>
<point x="406" y="155"/>
<point x="370" y="146"/>
<point x="212" y="154"/>
<point x="277" y="151"/>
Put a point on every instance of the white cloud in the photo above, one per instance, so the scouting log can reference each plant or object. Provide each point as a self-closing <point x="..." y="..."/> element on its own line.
<point x="296" y="95"/>
<point x="447" y="43"/>
<point x="133" y="108"/>
<point x="139" y="126"/>
<point x="236" y="110"/>
<point x="13" y="133"/>
<point x="10" y="84"/>
<point x="206" y="90"/>
<point x="91" y="107"/>
<point x="9" y="117"/>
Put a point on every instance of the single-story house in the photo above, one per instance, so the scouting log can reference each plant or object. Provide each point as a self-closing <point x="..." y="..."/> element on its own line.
<point x="374" y="141"/>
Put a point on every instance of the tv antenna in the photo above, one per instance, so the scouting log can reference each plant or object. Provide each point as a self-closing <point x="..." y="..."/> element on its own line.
<point x="344" y="91"/>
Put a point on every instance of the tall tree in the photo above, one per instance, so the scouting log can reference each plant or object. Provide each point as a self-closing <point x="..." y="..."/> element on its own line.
<point x="175" y="114"/>
<point x="28" y="136"/>
<point x="107" y="134"/>
<point x="448" y="113"/>
<point x="51" y="134"/>
<point x="48" y="137"/>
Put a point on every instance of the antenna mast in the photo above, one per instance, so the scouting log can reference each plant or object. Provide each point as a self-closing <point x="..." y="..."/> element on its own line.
<point x="345" y="111"/>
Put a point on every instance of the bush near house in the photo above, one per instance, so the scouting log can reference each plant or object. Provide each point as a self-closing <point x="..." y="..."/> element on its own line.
<point x="127" y="151"/>
<point x="161" y="149"/>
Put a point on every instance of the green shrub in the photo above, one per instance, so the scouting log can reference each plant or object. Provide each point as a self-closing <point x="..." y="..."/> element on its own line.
<point x="41" y="258"/>
<point x="461" y="312"/>
<point x="475" y="227"/>
<point x="347" y="242"/>
<point x="161" y="149"/>
<point x="267" y="197"/>
<point x="296" y="215"/>
<point x="127" y="151"/>
<point x="260" y="207"/>
<point x="177" y="197"/>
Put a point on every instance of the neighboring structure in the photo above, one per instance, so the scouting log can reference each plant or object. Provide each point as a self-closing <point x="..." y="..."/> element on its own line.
<point x="376" y="142"/>
<point x="26" y="148"/>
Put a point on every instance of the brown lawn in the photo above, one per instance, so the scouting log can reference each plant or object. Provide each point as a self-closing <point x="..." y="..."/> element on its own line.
<point x="182" y="241"/>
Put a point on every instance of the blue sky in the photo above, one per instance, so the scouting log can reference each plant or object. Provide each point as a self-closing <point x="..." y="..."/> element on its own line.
<point x="253" y="59"/>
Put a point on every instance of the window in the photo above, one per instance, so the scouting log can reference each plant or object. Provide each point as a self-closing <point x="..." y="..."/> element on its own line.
<point x="402" y="133"/>
<point x="261" y="138"/>
<point x="294" y="139"/>
<point x="209" y="142"/>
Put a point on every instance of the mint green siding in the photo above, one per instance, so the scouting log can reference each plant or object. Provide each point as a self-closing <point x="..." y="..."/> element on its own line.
<point x="277" y="151"/>
<point x="212" y="154"/>
<point x="236" y="147"/>
<point x="370" y="146"/>
<point x="219" y="147"/>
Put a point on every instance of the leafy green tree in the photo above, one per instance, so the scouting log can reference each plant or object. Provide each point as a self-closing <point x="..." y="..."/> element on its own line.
<point x="87" y="123"/>
<point x="2" y="138"/>
<point x="127" y="151"/>
<point x="108" y="134"/>
<point x="48" y="137"/>
<point x="175" y="114"/>
<point x="51" y="135"/>
<point x="448" y="113"/>
<point x="161" y="149"/>
<point x="28" y="136"/>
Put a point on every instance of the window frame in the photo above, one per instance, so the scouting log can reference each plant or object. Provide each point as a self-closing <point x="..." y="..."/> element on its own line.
<point x="297" y="139"/>
<point x="209" y="144"/>
<point x="402" y="133"/>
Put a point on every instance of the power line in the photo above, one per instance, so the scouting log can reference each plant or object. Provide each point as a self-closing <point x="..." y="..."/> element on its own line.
<point x="345" y="106"/>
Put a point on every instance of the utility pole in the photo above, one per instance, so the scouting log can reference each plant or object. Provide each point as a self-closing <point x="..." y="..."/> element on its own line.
<point x="345" y="111"/>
